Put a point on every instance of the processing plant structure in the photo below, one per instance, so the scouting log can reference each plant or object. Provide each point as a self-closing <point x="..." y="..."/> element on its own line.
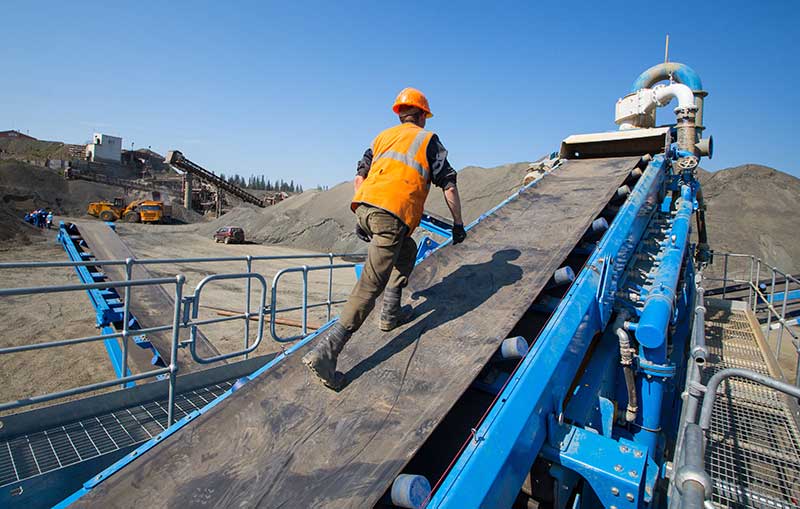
<point x="577" y="352"/>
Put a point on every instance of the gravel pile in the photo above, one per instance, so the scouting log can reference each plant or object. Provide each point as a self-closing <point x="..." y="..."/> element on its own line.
<point x="752" y="209"/>
<point x="322" y="220"/>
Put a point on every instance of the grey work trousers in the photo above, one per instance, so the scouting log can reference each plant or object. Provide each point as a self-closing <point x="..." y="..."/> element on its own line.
<point x="390" y="260"/>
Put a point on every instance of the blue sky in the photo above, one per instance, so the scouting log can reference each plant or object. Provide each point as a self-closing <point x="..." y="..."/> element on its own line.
<point x="297" y="90"/>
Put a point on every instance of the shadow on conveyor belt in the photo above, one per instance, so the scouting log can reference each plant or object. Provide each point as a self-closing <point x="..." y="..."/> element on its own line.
<point x="484" y="279"/>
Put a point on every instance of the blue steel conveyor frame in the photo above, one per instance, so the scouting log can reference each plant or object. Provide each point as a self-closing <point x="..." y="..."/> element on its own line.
<point x="107" y="303"/>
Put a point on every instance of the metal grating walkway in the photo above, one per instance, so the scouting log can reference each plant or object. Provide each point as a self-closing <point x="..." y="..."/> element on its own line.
<point x="753" y="451"/>
<point x="27" y="456"/>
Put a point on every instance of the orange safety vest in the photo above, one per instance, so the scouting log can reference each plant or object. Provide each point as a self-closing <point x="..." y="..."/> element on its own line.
<point x="400" y="177"/>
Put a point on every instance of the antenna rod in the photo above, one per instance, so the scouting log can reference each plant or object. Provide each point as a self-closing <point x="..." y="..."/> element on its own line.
<point x="666" y="50"/>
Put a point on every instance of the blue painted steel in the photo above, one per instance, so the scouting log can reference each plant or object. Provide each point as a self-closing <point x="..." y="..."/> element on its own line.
<point x="778" y="297"/>
<point x="434" y="226"/>
<point x="652" y="329"/>
<point x="426" y="246"/>
<point x="603" y="462"/>
<point x="128" y="458"/>
<point x="101" y="299"/>
<point x="681" y="73"/>
<point x="108" y="305"/>
<point x="493" y="465"/>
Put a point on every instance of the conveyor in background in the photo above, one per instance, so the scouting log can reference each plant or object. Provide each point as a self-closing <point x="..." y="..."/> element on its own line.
<point x="151" y="305"/>
<point x="283" y="440"/>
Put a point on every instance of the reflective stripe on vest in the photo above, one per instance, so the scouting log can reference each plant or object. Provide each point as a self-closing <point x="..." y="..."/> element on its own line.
<point x="399" y="177"/>
<point x="409" y="157"/>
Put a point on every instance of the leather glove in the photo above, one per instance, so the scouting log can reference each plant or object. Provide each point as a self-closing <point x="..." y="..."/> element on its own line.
<point x="362" y="234"/>
<point x="459" y="234"/>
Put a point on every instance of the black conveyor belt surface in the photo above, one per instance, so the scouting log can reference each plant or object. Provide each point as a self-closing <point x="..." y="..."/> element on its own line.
<point x="283" y="440"/>
<point x="152" y="305"/>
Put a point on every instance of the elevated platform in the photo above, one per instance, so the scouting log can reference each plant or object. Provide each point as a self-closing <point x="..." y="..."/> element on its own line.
<point x="753" y="451"/>
<point x="151" y="305"/>
<point x="46" y="450"/>
<point x="283" y="440"/>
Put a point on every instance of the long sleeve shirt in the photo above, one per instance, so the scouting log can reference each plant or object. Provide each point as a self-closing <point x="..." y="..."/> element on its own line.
<point x="442" y="174"/>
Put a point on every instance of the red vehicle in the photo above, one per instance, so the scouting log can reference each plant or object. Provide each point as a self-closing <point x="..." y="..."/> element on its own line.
<point x="229" y="235"/>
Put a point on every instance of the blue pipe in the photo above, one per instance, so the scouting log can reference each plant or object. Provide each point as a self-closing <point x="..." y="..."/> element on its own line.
<point x="652" y="328"/>
<point x="651" y="331"/>
<point x="681" y="73"/>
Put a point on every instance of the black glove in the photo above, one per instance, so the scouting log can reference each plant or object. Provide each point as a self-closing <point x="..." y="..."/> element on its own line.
<point x="362" y="234"/>
<point x="459" y="234"/>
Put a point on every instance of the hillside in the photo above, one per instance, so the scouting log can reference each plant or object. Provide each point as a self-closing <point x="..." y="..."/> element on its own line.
<point x="322" y="220"/>
<point x="752" y="209"/>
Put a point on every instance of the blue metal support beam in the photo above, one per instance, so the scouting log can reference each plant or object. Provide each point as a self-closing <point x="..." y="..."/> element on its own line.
<point x="493" y="465"/>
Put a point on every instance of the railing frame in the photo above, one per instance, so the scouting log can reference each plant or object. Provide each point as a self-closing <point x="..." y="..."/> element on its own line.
<point x="185" y="313"/>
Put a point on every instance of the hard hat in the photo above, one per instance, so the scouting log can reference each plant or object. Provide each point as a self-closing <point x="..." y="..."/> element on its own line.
<point x="412" y="97"/>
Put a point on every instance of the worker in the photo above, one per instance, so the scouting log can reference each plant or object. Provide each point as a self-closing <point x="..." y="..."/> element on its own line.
<point x="49" y="219"/>
<point x="391" y="185"/>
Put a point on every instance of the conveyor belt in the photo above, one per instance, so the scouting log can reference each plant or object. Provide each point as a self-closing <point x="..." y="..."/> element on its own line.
<point x="151" y="305"/>
<point x="283" y="440"/>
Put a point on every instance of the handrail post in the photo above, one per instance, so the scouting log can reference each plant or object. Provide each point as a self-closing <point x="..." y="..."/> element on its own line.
<point x="724" y="275"/>
<point x="783" y="316"/>
<point x="126" y="316"/>
<point x="755" y="283"/>
<point x="330" y="285"/>
<point x="305" y="300"/>
<point x="249" y="265"/>
<point x="771" y="310"/>
<point x="173" y="354"/>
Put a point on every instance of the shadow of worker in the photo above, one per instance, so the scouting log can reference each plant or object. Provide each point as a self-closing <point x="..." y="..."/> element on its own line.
<point x="456" y="295"/>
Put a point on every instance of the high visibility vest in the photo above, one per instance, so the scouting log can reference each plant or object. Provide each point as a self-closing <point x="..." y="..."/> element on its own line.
<point x="399" y="178"/>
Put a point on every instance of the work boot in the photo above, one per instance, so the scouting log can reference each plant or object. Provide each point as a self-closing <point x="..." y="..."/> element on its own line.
<point x="392" y="314"/>
<point x="322" y="359"/>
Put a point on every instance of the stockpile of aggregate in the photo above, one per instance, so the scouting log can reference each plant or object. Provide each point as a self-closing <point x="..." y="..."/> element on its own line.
<point x="322" y="220"/>
<point x="752" y="209"/>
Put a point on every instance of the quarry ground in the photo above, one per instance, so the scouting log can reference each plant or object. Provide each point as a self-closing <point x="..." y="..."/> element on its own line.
<point x="37" y="319"/>
<point x="740" y="219"/>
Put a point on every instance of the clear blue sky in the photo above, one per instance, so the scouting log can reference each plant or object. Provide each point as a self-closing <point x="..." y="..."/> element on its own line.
<point x="297" y="90"/>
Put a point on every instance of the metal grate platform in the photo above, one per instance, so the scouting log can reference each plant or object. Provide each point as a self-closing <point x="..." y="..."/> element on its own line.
<point x="753" y="451"/>
<point x="27" y="456"/>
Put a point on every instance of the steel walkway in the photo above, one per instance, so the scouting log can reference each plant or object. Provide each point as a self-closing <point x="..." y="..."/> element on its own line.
<point x="26" y="456"/>
<point x="753" y="451"/>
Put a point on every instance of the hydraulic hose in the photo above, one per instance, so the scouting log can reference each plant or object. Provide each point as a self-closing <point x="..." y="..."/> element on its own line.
<point x="626" y="360"/>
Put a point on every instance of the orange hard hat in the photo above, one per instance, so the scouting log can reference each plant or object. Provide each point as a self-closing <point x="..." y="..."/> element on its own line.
<point x="412" y="97"/>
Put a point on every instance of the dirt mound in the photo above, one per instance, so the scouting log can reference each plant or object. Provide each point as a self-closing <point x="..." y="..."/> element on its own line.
<point x="322" y="220"/>
<point x="751" y="210"/>
<point x="25" y="187"/>
<point x="34" y="149"/>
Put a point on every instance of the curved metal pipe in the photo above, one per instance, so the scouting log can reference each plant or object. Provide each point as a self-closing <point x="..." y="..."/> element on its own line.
<point x="680" y="73"/>
<point x="664" y="93"/>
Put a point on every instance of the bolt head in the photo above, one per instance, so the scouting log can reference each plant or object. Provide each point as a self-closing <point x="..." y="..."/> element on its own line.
<point x="615" y="491"/>
<point x="637" y="453"/>
<point x="633" y="473"/>
<point x="629" y="496"/>
<point x="623" y="448"/>
<point x="618" y="468"/>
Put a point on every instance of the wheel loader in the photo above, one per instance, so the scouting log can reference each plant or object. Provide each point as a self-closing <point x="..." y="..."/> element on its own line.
<point x="139" y="211"/>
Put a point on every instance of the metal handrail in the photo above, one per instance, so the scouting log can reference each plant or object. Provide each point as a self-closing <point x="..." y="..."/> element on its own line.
<point x="194" y="323"/>
<point x="305" y="269"/>
<point x="171" y="370"/>
<point x="183" y="308"/>
<point x="249" y="260"/>
<point x="756" y="297"/>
